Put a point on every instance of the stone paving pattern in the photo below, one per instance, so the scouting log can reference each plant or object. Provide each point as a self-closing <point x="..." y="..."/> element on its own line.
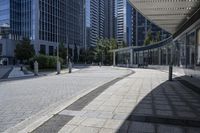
<point x="146" y="93"/>
<point x="21" y="99"/>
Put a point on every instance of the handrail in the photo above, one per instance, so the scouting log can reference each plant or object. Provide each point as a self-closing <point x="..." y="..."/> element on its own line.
<point x="150" y="46"/>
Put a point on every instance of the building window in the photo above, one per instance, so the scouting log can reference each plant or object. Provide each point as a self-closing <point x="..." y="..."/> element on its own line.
<point x="51" y="51"/>
<point x="42" y="49"/>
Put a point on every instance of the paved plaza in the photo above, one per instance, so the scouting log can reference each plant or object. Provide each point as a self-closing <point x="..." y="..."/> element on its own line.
<point x="121" y="101"/>
<point x="144" y="102"/>
<point x="21" y="99"/>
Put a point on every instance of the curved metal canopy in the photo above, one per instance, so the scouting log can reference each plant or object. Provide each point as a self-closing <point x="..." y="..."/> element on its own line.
<point x="168" y="14"/>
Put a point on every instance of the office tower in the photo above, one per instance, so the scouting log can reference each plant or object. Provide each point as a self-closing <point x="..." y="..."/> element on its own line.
<point x="124" y="24"/>
<point x="109" y="28"/>
<point x="94" y="21"/>
<point x="45" y="23"/>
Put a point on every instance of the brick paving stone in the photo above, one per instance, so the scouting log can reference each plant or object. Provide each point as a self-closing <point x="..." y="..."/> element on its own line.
<point x="113" y="124"/>
<point x="67" y="129"/>
<point x="105" y="115"/>
<point x="106" y="130"/>
<point x="93" y="122"/>
<point x="84" y="129"/>
<point x="76" y="121"/>
<point x="24" y="98"/>
<point x="170" y="129"/>
<point x="141" y="127"/>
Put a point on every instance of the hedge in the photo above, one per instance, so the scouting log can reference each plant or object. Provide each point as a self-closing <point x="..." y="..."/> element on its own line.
<point x="45" y="61"/>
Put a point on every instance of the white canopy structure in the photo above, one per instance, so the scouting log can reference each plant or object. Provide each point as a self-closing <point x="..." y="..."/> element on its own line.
<point x="168" y="14"/>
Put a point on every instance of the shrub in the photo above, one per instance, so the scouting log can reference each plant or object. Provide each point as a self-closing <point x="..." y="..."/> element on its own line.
<point x="45" y="61"/>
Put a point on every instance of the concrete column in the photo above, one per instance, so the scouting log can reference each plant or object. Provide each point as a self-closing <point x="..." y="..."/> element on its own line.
<point x="172" y="55"/>
<point x="114" y="58"/>
<point x="159" y="56"/>
<point x="131" y="57"/>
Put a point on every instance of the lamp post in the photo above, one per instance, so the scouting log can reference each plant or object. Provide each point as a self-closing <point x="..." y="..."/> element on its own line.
<point x="67" y="41"/>
<point x="58" y="62"/>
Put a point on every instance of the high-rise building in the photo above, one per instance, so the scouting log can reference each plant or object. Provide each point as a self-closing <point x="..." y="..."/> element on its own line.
<point x="121" y="21"/>
<point x="132" y="27"/>
<point x="124" y="22"/>
<point x="109" y="27"/>
<point x="46" y="23"/>
<point x="94" y="21"/>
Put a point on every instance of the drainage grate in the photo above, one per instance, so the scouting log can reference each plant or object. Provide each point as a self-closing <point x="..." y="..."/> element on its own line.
<point x="54" y="124"/>
<point x="85" y="100"/>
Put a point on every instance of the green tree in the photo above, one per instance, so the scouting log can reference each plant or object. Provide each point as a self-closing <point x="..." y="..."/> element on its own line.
<point x="148" y="40"/>
<point x="24" y="50"/>
<point x="103" y="49"/>
<point x="158" y="36"/>
<point x="98" y="51"/>
<point x="111" y="46"/>
<point x="90" y="55"/>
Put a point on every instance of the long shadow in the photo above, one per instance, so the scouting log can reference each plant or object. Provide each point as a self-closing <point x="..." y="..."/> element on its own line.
<point x="171" y="107"/>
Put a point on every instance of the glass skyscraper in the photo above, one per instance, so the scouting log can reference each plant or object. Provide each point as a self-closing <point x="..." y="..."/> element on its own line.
<point x="45" y="22"/>
<point x="109" y="27"/>
<point x="4" y="12"/>
<point x="94" y="21"/>
<point x="132" y="27"/>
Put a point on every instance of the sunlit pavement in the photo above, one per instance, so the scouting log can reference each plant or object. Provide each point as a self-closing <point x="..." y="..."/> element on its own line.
<point x="142" y="102"/>
<point x="24" y="98"/>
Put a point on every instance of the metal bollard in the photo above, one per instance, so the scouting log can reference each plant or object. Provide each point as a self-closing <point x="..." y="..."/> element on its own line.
<point x="58" y="67"/>
<point x="36" y="68"/>
<point x="70" y="67"/>
<point x="170" y="72"/>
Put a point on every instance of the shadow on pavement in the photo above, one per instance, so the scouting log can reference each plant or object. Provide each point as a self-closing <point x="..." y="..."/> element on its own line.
<point x="171" y="107"/>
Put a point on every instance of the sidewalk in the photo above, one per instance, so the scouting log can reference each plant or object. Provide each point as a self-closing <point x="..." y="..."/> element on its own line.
<point x="17" y="73"/>
<point x="144" y="102"/>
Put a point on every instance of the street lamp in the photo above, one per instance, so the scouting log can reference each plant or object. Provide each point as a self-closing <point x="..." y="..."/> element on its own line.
<point x="58" y="62"/>
<point x="67" y="42"/>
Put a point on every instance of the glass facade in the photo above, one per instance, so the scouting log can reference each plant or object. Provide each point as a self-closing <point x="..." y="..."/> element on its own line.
<point x="95" y="21"/>
<point x="4" y="12"/>
<point x="183" y="52"/>
<point x="156" y="54"/>
<point x="52" y="22"/>
<point x="109" y="27"/>
<point x="45" y="22"/>
<point x="121" y="21"/>
<point x="132" y="27"/>
<point x="74" y="22"/>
